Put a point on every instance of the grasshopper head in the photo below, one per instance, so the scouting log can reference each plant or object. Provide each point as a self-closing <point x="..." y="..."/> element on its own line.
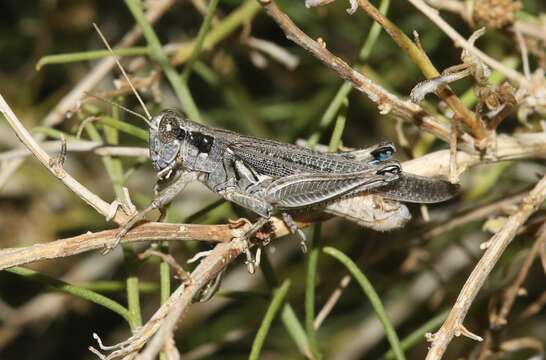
<point x="174" y="140"/>
<point x="166" y="136"/>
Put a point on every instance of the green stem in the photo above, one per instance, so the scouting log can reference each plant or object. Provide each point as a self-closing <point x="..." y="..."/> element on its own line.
<point x="64" y="287"/>
<point x="89" y="55"/>
<point x="420" y="58"/>
<point x="53" y="133"/>
<point x="113" y="166"/>
<point x="375" y="301"/>
<point x="347" y="87"/>
<point x="244" y="13"/>
<point x="278" y="298"/>
<point x="330" y="113"/>
<point x="371" y="39"/>
<point x="310" y="282"/>
<point x="116" y="286"/>
<point x="125" y="127"/>
<point x="200" y="39"/>
<point x="159" y="55"/>
<point x="133" y="301"/>
<point x="115" y="170"/>
<point x="288" y="316"/>
<point x="417" y="336"/>
<point x="335" y="140"/>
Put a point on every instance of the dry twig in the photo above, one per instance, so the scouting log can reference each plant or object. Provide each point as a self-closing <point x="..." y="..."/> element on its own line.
<point x="453" y="326"/>
<point x="459" y="41"/>
<point x="164" y="320"/>
<point x="101" y="206"/>
<point x="79" y="146"/>
<point x="420" y="58"/>
<point x="511" y="293"/>
<point x="385" y="101"/>
<point x="331" y="302"/>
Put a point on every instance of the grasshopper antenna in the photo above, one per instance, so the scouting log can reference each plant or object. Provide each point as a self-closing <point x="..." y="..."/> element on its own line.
<point x="113" y="103"/>
<point x="148" y="116"/>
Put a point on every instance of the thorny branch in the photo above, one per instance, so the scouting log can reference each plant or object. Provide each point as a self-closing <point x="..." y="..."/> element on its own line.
<point x="164" y="320"/>
<point x="453" y="326"/>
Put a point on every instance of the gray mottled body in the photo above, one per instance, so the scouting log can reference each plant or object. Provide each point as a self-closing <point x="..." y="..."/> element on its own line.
<point x="270" y="177"/>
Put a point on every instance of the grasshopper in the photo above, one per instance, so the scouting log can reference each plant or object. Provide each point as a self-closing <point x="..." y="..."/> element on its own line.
<point x="272" y="178"/>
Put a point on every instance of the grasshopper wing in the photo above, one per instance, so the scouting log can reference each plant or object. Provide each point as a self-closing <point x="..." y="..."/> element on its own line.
<point x="418" y="189"/>
<point x="303" y="190"/>
<point x="275" y="159"/>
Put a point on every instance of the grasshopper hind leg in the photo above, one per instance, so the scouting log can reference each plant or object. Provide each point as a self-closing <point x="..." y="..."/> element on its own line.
<point x="295" y="229"/>
<point x="252" y="261"/>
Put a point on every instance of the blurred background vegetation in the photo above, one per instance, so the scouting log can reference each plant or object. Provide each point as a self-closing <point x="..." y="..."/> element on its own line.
<point x="416" y="272"/>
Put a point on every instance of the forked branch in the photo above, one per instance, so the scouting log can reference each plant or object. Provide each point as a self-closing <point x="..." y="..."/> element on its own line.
<point x="385" y="101"/>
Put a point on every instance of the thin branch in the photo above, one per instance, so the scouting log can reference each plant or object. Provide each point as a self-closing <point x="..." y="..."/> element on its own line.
<point x="453" y="174"/>
<point x="57" y="170"/>
<point x="145" y="232"/>
<point x="274" y="51"/>
<point x="453" y="326"/>
<point x="534" y="308"/>
<point x="459" y="41"/>
<point x="420" y="58"/>
<point x="385" y="100"/>
<point x="524" y="53"/>
<point x="454" y="6"/>
<point x="168" y="259"/>
<point x="479" y="213"/>
<point x="164" y="320"/>
<point x="522" y="145"/>
<point x="511" y="293"/>
<point x="79" y="146"/>
<point x="332" y="301"/>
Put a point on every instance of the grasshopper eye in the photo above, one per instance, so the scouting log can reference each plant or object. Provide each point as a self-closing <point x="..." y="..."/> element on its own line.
<point x="169" y="129"/>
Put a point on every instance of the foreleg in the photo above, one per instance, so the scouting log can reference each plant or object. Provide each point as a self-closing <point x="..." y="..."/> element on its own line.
<point x="162" y="199"/>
